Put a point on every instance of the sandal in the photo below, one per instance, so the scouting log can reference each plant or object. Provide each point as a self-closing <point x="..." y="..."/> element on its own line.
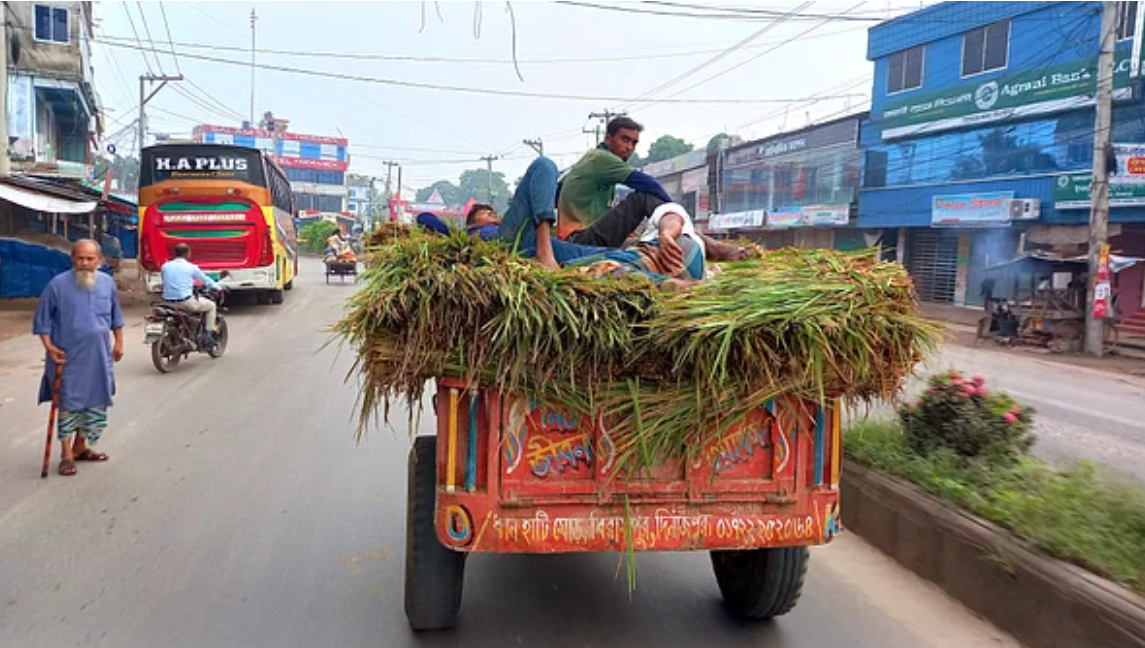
<point x="67" y="467"/>
<point x="92" y="455"/>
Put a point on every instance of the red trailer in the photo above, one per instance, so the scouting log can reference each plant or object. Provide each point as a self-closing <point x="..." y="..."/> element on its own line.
<point x="502" y="476"/>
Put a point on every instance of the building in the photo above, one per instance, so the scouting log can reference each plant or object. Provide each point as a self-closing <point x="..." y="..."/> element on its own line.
<point x="53" y="111"/>
<point x="793" y="189"/>
<point x="687" y="178"/>
<point x="315" y="164"/>
<point x="979" y="145"/>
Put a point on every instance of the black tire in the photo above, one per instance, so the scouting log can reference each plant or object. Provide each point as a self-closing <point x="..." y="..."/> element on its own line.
<point x="434" y="574"/>
<point x="262" y="296"/>
<point x="289" y="285"/>
<point x="276" y="296"/>
<point x="219" y="349"/>
<point x="761" y="583"/>
<point x="162" y="355"/>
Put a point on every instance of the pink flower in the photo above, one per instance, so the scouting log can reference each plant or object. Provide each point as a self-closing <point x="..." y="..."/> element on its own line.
<point x="978" y="380"/>
<point x="966" y="393"/>
<point x="982" y="391"/>
<point x="1010" y="418"/>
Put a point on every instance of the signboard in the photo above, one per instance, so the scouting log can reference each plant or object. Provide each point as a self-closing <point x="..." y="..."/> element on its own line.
<point x="1102" y="289"/>
<point x="1126" y="182"/>
<point x="259" y="133"/>
<point x="737" y="220"/>
<point x="311" y="163"/>
<point x="202" y="162"/>
<point x="809" y="216"/>
<point x="843" y="132"/>
<point x="689" y="160"/>
<point x="212" y="217"/>
<point x="971" y="210"/>
<point x="694" y="180"/>
<point x="1033" y="92"/>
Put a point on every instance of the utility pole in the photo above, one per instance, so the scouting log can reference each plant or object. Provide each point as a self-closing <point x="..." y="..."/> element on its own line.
<point x="253" y="18"/>
<point x="144" y="97"/>
<point x="5" y="161"/>
<point x="604" y="118"/>
<point x="1097" y="286"/>
<point x="537" y="145"/>
<point x="390" y="164"/>
<point x="489" y="176"/>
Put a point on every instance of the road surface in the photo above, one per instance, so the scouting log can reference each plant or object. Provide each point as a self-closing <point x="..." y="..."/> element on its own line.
<point x="237" y="510"/>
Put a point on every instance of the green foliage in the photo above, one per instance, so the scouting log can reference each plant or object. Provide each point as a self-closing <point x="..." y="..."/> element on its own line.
<point x="666" y="148"/>
<point x="714" y="142"/>
<point x="314" y="235"/>
<point x="959" y="414"/>
<point x="1086" y="514"/>
<point x="449" y="192"/>
<point x="474" y="184"/>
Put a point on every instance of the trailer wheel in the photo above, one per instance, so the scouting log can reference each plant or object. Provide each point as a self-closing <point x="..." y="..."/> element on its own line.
<point x="262" y="297"/>
<point x="761" y="583"/>
<point x="434" y="574"/>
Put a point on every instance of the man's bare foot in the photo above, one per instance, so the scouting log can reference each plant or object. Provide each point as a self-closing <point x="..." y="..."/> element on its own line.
<point x="677" y="285"/>
<point x="725" y="252"/>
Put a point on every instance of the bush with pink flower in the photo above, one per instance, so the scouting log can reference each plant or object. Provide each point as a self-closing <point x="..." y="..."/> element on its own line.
<point x="959" y="414"/>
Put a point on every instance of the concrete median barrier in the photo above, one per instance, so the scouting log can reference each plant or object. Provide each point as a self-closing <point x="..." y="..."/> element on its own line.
<point x="1041" y="601"/>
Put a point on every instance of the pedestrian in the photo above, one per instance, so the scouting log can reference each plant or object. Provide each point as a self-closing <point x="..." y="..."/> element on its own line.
<point x="77" y="312"/>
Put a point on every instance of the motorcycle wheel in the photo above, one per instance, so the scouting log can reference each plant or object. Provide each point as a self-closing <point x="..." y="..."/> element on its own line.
<point x="165" y="353"/>
<point x="219" y="349"/>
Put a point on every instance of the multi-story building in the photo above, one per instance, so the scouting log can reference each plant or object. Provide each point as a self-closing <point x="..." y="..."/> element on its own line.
<point x="315" y="164"/>
<point x="979" y="146"/>
<point x="686" y="178"/>
<point x="53" y="111"/>
<point x="792" y="189"/>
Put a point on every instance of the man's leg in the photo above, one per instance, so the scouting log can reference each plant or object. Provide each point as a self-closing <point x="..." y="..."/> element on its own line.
<point x="534" y="202"/>
<point x="92" y="423"/>
<point x="619" y="222"/>
<point x="67" y="423"/>
<point x="204" y="307"/>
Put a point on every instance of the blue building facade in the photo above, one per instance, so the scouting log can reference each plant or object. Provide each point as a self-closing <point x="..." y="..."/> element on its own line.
<point x="980" y="139"/>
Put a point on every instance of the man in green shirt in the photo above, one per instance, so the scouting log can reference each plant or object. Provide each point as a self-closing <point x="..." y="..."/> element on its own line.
<point x="589" y="187"/>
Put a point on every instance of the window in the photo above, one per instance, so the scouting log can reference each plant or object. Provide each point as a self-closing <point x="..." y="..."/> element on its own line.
<point x="986" y="48"/>
<point x="905" y="70"/>
<point x="51" y="24"/>
<point x="1126" y="20"/>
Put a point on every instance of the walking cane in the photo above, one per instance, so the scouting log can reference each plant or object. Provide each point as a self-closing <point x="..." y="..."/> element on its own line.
<point x="52" y="421"/>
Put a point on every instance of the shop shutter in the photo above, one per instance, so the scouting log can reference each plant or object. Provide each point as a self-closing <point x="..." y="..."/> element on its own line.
<point x="932" y="260"/>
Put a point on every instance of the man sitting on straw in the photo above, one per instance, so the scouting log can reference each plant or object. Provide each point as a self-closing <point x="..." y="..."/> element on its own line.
<point x="588" y="188"/>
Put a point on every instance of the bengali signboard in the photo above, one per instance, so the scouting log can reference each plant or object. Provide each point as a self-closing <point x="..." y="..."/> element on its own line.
<point x="1126" y="182"/>
<point x="971" y="210"/>
<point x="737" y="220"/>
<point x="842" y="132"/>
<point x="809" y="216"/>
<point x="1044" y="90"/>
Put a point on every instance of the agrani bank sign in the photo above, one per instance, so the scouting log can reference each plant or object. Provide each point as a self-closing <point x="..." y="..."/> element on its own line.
<point x="1035" y="92"/>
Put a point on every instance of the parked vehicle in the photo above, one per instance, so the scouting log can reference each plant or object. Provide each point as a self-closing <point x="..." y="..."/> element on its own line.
<point x="503" y="477"/>
<point x="174" y="333"/>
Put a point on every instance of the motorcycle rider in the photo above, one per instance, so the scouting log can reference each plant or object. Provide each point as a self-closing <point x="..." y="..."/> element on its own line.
<point x="179" y="277"/>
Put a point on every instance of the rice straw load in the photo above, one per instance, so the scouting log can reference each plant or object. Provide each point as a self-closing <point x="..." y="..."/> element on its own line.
<point x="668" y="370"/>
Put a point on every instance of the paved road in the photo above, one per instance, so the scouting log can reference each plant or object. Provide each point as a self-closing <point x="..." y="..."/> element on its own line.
<point x="237" y="510"/>
<point x="1082" y="413"/>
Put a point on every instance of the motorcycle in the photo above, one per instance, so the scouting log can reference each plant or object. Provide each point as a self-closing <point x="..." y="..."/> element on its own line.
<point x="174" y="334"/>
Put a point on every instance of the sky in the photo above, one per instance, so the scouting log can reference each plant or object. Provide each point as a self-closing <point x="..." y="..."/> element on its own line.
<point x="793" y="72"/>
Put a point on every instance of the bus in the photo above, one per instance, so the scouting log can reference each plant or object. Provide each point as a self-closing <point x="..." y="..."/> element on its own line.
<point x="233" y="205"/>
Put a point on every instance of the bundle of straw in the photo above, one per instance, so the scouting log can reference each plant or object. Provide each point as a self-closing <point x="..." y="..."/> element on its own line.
<point x="669" y="370"/>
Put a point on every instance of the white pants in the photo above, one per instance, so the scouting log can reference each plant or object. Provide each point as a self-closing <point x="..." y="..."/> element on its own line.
<point x="199" y="305"/>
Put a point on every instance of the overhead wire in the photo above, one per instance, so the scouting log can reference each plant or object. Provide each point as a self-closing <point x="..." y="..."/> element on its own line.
<point x="167" y="26"/>
<point x="150" y="40"/>
<point x="462" y="89"/>
<point x="143" y="50"/>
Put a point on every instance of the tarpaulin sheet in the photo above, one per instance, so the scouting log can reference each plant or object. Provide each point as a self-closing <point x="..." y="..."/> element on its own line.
<point x="26" y="269"/>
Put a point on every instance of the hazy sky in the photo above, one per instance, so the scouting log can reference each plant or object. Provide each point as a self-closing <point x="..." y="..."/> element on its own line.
<point x="435" y="134"/>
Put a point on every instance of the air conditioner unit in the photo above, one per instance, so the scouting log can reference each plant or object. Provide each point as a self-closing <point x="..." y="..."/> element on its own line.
<point x="1025" y="209"/>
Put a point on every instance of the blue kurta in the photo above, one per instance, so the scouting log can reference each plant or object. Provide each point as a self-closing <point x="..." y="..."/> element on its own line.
<point x="80" y="322"/>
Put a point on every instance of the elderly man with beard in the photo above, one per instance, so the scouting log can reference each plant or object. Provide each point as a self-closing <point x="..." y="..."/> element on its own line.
<point x="77" y="311"/>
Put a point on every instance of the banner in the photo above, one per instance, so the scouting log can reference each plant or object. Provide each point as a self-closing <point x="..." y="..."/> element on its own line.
<point x="809" y="216"/>
<point x="1126" y="181"/>
<point x="971" y="210"/>
<point x="1034" y="92"/>
<point x="737" y="220"/>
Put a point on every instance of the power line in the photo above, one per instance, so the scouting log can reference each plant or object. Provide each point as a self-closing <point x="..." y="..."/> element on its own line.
<point x="460" y="89"/>
<point x="728" y="15"/>
<point x="143" y="50"/>
<point x="151" y="41"/>
<point x="167" y="26"/>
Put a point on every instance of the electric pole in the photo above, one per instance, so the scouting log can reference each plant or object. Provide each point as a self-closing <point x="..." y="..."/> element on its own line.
<point x="144" y="97"/>
<point x="604" y="118"/>
<point x="1098" y="295"/>
<point x="489" y="176"/>
<point x="253" y="18"/>
<point x="537" y="145"/>
<point x="5" y="161"/>
<point x="390" y="164"/>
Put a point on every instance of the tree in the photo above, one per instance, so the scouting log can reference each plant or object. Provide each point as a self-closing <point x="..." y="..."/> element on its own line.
<point x="448" y="191"/>
<point x="636" y="161"/>
<point x="124" y="173"/>
<point x="315" y="234"/>
<point x="716" y="140"/>
<point x="666" y="148"/>
<point x="474" y="184"/>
